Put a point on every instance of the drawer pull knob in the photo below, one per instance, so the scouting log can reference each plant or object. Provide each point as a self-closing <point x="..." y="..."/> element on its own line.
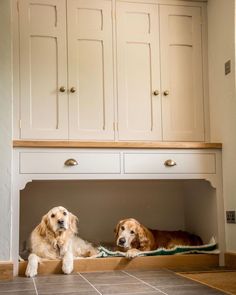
<point x="73" y="90"/>
<point x="166" y="93"/>
<point x="170" y="163"/>
<point x="71" y="162"/>
<point x="156" y="92"/>
<point x="62" y="89"/>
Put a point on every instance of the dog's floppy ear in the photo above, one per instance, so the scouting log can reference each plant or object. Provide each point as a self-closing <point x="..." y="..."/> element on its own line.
<point x="42" y="228"/>
<point x="117" y="228"/>
<point x="74" y="224"/>
<point x="143" y="236"/>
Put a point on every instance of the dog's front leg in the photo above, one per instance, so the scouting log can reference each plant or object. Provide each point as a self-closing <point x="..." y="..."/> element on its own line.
<point x="67" y="259"/>
<point x="68" y="262"/>
<point x="32" y="266"/>
<point x="132" y="253"/>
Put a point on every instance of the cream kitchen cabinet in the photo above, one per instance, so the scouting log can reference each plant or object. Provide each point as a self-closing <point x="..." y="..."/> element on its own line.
<point x="160" y="72"/>
<point x="138" y="70"/>
<point x="71" y="53"/>
<point x="182" y="91"/>
<point x="66" y="73"/>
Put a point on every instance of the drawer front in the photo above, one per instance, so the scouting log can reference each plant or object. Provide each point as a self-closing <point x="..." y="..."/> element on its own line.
<point x="147" y="163"/>
<point x="44" y="162"/>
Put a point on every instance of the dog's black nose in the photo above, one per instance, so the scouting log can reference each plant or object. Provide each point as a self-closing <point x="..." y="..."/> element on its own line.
<point x="60" y="221"/>
<point x="121" y="241"/>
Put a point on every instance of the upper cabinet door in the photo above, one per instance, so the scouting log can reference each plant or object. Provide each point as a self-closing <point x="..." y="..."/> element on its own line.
<point x="138" y="79"/>
<point x="181" y="73"/>
<point x="43" y="70"/>
<point x="90" y="69"/>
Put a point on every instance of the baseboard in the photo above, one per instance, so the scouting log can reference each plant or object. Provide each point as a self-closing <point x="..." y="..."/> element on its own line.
<point x="121" y="263"/>
<point x="230" y="259"/>
<point x="6" y="270"/>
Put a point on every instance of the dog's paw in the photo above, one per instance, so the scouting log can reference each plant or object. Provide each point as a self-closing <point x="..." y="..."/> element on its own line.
<point x="68" y="263"/>
<point x="32" y="266"/>
<point x="31" y="271"/>
<point x="132" y="253"/>
<point x="67" y="267"/>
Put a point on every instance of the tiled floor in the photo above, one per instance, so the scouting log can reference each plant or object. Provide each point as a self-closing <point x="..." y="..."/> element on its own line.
<point x="157" y="282"/>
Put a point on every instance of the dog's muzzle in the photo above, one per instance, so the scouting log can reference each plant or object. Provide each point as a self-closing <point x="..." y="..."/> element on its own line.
<point x="61" y="224"/>
<point x="121" y="242"/>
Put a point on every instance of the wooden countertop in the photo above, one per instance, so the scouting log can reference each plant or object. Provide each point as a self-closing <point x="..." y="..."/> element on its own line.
<point x="120" y="144"/>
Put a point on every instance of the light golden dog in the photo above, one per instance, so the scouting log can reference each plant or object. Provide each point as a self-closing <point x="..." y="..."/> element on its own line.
<point x="56" y="237"/>
<point x="133" y="237"/>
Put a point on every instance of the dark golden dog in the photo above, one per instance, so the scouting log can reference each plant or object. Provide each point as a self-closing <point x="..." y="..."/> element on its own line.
<point x="133" y="237"/>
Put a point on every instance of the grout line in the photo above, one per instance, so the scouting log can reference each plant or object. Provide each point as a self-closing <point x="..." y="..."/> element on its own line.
<point x="169" y="270"/>
<point x="89" y="283"/>
<point x="144" y="283"/>
<point x="138" y="292"/>
<point x="114" y="284"/>
<point x="35" y="287"/>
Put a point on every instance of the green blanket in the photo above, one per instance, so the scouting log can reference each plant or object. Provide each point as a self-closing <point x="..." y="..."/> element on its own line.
<point x="210" y="248"/>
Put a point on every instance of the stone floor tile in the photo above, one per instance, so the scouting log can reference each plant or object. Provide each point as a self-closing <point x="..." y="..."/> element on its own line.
<point x="124" y="289"/>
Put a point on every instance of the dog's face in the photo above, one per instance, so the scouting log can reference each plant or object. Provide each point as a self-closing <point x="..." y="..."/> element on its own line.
<point x="127" y="233"/>
<point x="59" y="219"/>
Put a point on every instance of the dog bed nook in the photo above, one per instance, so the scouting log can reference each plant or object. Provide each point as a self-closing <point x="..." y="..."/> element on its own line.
<point x="99" y="204"/>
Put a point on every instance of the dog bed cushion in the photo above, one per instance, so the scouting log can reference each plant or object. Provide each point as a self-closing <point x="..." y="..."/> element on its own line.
<point x="210" y="248"/>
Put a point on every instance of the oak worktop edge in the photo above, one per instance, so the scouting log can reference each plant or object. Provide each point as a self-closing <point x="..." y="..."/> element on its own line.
<point x="111" y="144"/>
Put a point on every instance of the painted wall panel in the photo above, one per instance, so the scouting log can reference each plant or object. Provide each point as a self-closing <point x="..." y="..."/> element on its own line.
<point x="221" y="39"/>
<point x="5" y="129"/>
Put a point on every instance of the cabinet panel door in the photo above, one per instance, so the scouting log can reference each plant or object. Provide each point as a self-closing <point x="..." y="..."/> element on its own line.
<point x="90" y="69"/>
<point x="139" y="110"/>
<point x="44" y="109"/>
<point x="181" y="73"/>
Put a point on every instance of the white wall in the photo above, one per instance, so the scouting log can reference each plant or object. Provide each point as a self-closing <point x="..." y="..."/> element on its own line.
<point x="200" y="209"/>
<point x="5" y="129"/>
<point x="221" y="32"/>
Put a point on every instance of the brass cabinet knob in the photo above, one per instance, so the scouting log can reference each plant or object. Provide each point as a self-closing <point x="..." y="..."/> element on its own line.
<point x="156" y="92"/>
<point x="73" y="89"/>
<point x="170" y="163"/>
<point x="62" y="89"/>
<point x="71" y="162"/>
<point x="166" y="92"/>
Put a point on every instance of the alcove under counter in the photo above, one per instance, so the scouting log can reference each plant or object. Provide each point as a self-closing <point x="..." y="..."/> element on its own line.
<point x="194" y="168"/>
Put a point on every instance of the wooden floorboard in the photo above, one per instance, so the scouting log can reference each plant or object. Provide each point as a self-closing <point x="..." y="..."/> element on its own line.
<point x="223" y="281"/>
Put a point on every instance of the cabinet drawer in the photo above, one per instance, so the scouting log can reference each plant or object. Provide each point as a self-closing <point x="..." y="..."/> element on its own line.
<point x="44" y="162"/>
<point x="156" y="163"/>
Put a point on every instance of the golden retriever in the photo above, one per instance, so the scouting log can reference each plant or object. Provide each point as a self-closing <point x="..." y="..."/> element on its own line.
<point x="56" y="237"/>
<point x="133" y="237"/>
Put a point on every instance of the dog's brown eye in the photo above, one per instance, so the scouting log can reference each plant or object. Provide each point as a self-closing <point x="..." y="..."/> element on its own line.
<point x="132" y="232"/>
<point x="53" y="215"/>
<point x="65" y="213"/>
<point x="122" y="227"/>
